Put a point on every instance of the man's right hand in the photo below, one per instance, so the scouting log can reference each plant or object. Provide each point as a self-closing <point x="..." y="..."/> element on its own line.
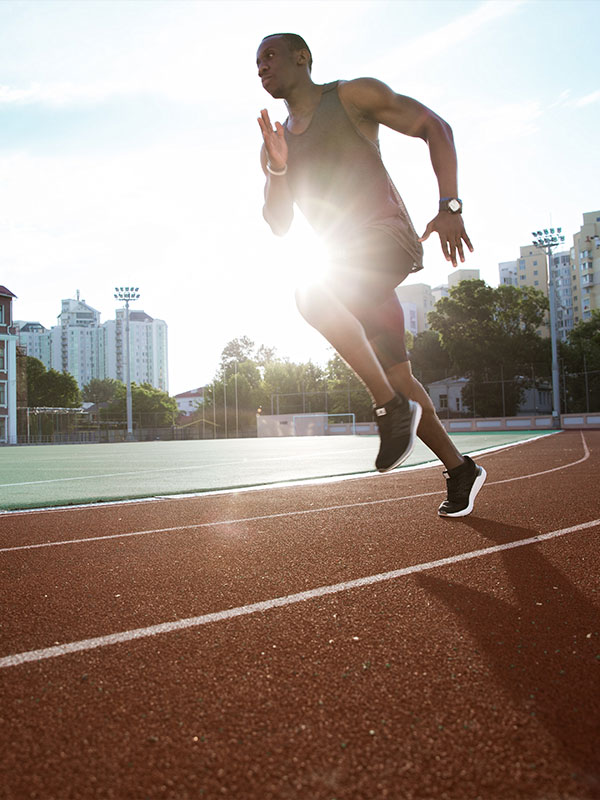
<point x="274" y="139"/>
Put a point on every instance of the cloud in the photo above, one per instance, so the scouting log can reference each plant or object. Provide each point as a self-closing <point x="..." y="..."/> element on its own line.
<point x="431" y="45"/>
<point x="587" y="100"/>
<point x="64" y="93"/>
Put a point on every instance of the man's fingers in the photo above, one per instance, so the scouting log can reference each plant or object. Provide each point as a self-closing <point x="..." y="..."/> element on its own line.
<point x="427" y="234"/>
<point x="468" y="241"/>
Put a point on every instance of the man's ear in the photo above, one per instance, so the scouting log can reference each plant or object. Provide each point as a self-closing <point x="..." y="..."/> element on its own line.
<point x="302" y="57"/>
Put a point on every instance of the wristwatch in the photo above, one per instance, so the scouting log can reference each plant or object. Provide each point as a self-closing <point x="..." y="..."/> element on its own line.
<point x="451" y="204"/>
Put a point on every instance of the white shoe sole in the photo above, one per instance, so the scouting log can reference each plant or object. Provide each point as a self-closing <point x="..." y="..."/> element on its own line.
<point x="413" y="436"/>
<point x="479" y="481"/>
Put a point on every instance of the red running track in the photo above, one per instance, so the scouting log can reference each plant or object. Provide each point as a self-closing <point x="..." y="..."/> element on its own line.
<point x="224" y="646"/>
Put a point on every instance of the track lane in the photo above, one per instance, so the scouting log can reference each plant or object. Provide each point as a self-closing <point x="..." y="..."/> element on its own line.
<point x="473" y="679"/>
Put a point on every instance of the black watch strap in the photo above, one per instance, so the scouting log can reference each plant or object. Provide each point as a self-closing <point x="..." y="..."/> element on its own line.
<point x="452" y="204"/>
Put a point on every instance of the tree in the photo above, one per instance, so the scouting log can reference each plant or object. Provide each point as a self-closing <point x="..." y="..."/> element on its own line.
<point x="237" y="350"/>
<point x="296" y="388"/>
<point x="429" y="360"/>
<point x="347" y="393"/>
<point x="100" y="391"/>
<point x="581" y="362"/>
<point x="49" y="388"/>
<point x="489" y="335"/>
<point x="151" y="406"/>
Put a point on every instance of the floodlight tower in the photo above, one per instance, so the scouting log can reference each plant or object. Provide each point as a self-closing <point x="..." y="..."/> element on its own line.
<point x="547" y="240"/>
<point x="127" y="294"/>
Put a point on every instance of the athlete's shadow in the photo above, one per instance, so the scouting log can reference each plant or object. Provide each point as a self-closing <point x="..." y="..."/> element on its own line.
<point x="536" y="642"/>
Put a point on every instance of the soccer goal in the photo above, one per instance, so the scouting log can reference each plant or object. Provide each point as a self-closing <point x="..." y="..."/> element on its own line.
<point x="321" y="424"/>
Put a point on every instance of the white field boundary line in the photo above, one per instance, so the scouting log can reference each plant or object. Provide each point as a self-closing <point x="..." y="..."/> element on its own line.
<point x="266" y="486"/>
<point x="278" y="602"/>
<point x="208" y="465"/>
<point x="284" y="514"/>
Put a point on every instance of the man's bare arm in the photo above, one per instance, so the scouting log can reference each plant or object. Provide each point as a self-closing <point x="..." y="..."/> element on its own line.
<point x="278" y="209"/>
<point x="372" y="102"/>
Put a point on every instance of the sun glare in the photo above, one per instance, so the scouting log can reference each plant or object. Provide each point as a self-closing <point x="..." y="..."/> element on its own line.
<point x="307" y="257"/>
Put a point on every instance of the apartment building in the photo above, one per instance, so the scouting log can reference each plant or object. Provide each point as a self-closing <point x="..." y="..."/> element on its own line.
<point x="585" y="264"/>
<point x="461" y="274"/>
<point x="417" y="301"/>
<point x="575" y="272"/>
<point x="81" y="345"/>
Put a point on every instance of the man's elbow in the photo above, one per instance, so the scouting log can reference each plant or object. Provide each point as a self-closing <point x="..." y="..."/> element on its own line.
<point x="436" y="128"/>
<point x="279" y="225"/>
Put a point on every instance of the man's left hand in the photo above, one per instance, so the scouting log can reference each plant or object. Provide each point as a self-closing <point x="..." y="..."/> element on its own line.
<point x="452" y="233"/>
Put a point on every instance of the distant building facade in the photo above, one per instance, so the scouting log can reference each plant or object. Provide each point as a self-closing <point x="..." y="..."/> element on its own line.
<point x="575" y="272"/>
<point x="80" y="345"/>
<point x="585" y="257"/>
<point x="8" y="370"/>
<point x="189" y="402"/>
<point x="461" y="274"/>
<point x="417" y="301"/>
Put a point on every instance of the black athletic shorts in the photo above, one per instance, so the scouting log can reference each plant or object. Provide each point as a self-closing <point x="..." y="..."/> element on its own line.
<point x="367" y="267"/>
<point x="363" y="275"/>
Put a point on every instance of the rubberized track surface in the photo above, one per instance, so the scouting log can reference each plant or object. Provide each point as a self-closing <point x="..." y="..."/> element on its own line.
<point x="324" y="641"/>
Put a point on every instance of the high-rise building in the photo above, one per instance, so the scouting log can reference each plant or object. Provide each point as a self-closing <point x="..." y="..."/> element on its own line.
<point x="575" y="272"/>
<point x="416" y="299"/>
<point x="508" y="273"/>
<point x="87" y="349"/>
<point x="462" y="274"/>
<point x="585" y="258"/>
<point x="148" y="349"/>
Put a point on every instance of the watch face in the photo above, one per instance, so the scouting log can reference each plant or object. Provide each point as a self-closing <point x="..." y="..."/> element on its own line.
<point x="454" y="205"/>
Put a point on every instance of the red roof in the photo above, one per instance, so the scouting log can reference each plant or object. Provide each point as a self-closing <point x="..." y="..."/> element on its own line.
<point x="191" y="393"/>
<point x="6" y="292"/>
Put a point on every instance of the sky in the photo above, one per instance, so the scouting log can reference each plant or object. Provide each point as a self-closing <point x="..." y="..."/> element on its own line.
<point x="129" y="149"/>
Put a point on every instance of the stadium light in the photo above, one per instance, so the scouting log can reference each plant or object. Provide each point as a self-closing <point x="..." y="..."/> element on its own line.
<point x="127" y="295"/>
<point x="548" y="240"/>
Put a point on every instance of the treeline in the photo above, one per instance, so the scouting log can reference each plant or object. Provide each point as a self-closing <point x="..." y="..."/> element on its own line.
<point x="490" y="336"/>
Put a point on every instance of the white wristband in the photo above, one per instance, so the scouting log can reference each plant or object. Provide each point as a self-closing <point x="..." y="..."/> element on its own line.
<point x="276" y="171"/>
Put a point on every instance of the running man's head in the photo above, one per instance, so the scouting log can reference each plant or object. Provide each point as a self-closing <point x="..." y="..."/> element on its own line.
<point x="281" y="59"/>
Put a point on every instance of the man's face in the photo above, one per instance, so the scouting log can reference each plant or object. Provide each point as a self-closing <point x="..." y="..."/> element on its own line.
<point x="276" y="66"/>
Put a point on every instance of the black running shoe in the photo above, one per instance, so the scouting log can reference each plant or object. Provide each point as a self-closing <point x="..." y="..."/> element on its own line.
<point x="397" y="421"/>
<point x="463" y="484"/>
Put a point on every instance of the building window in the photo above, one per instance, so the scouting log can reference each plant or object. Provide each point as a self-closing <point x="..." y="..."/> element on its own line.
<point x="2" y="356"/>
<point x="443" y="401"/>
<point x="1" y="314"/>
<point x="535" y="271"/>
<point x="2" y="429"/>
<point x="3" y="393"/>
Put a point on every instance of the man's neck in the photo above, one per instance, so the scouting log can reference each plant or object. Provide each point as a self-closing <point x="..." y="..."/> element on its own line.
<point x="303" y="99"/>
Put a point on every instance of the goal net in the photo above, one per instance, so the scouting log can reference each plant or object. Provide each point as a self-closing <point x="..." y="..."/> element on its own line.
<point x="321" y="424"/>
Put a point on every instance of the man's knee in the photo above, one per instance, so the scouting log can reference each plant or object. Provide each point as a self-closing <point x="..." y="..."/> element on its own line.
<point x="312" y="303"/>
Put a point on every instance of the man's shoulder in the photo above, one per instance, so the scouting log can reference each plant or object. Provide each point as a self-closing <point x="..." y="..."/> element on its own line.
<point x="363" y="95"/>
<point x="361" y="92"/>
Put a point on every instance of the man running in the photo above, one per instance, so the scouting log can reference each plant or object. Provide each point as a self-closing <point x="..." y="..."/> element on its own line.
<point x="325" y="158"/>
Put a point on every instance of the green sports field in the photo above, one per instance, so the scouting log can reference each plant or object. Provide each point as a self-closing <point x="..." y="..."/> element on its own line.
<point x="56" y="475"/>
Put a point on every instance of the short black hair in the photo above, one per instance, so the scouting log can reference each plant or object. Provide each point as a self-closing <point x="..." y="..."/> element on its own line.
<point x="294" y="42"/>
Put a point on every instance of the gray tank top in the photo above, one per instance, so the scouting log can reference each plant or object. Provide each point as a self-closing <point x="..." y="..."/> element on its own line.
<point x="339" y="182"/>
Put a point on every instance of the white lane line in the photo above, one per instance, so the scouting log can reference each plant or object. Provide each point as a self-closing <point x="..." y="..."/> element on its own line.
<point x="321" y="509"/>
<point x="277" y="602"/>
<point x="262" y="487"/>
<point x="586" y="455"/>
